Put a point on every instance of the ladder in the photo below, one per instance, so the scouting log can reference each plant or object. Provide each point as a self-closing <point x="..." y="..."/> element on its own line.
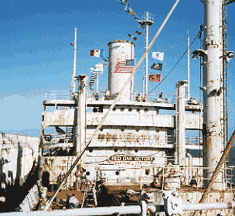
<point x="89" y="197"/>
<point x="69" y="132"/>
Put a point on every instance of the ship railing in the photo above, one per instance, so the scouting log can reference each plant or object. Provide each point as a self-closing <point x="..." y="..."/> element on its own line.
<point x="142" y="138"/>
<point x="194" y="141"/>
<point x="151" y="98"/>
<point x="57" y="95"/>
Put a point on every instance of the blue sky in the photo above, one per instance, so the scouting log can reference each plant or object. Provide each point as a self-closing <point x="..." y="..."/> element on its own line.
<point x="36" y="55"/>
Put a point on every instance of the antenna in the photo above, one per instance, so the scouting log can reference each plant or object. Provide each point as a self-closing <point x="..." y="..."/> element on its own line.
<point x="73" y="84"/>
<point x="147" y="22"/>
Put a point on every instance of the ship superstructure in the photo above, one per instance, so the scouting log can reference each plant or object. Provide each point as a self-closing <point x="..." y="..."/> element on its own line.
<point x="135" y="135"/>
<point x="115" y="141"/>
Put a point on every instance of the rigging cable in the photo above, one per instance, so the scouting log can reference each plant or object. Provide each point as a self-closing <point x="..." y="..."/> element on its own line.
<point x="173" y="67"/>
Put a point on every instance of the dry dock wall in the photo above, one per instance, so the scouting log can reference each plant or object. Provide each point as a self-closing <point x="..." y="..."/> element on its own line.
<point x="17" y="156"/>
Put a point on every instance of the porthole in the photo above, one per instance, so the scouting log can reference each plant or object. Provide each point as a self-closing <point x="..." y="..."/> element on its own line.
<point x="157" y="130"/>
<point x="147" y="171"/>
<point x="88" y="173"/>
<point x="115" y="150"/>
<point x="122" y="129"/>
<point x="117" y="172"/>
<point x="101" y="129"/>
<point x="95" y="110"/>
<point x="129" y="109"/>
<point x="90" y="150"/>
<point x="114" y="109"/>
<point x="122" y="109"/>
<point x="137" y="129"/>
<point x="138" y="109"/>
<point x="145" y="110"/>
<point x="136" y="150"/>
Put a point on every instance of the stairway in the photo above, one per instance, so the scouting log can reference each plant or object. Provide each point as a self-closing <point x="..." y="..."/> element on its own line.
<point x="69" y="132"/>
<point x="89" y="197"/>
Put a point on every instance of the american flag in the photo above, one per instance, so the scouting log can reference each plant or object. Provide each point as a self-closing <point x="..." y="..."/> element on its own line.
<point x="126" y="66"/>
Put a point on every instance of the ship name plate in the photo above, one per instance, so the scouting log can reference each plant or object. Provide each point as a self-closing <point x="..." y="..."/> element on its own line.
<point x="131" y="158"/>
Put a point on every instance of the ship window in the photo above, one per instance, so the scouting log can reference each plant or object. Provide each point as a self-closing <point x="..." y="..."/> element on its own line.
<point x="115" y="150"/>
<point x="157" y="130"/>
<point x="136" y="150"/>
<point x="137" y="129"/>
<point x="114" y="109"/>
<point x="147" y="172"/>
<point x="88" y="173"/>
<point x="122" y="109"/>
<point x="101" y="129"/>
<point x="100" y="110"/>
<point x="117" y="172"/>
<point x="95" y="110"/>
<point x="145" y="110"/>
<point x="90" y="150"/>
<point x="138" y="109"/>
<point x="130" y="109"/>
<point x="122" y="129"/>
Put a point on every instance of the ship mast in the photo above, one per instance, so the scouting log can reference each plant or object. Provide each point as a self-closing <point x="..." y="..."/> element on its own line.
<point x="73" y="83"/>
<point x="212" y="89"/>
<point x="188" y="85"/>
<point x="147" y="22"/>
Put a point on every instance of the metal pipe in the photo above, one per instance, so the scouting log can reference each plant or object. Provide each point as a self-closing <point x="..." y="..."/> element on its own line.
<point x="82" y="211"/>
<point x="217" y="170"/>
<point x="110" y="109"/>
<point x="207" y="206"/>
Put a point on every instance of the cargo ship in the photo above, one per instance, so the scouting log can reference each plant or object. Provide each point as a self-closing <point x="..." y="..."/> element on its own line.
<point x="118" y="152"/>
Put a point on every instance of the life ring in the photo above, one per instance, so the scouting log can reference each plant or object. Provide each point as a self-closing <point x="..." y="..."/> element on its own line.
<point x="79" y="173"/>
<point x="48" y="137"/>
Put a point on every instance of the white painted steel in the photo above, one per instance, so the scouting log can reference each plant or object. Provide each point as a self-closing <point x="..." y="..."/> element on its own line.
<point x="120" y="50"/>
<point x="83" y="211"/>
<point x="111" y="108"/>
<point x="207" y="206"/>
<point x="73" y="83"/>
<point x="20" y="152"/>
<point x="180" y="122"/>
<point x="81" y="122"/>
<point x="213" y="94"/>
